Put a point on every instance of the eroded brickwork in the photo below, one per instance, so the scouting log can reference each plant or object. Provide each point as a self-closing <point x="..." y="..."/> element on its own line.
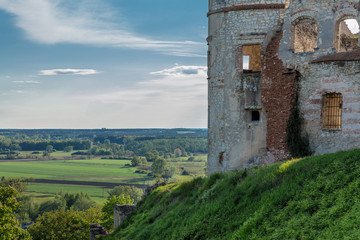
<point x="278" y="89"/>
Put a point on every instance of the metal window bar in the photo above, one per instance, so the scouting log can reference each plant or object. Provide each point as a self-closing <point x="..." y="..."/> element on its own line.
<point x="332" y="111"/>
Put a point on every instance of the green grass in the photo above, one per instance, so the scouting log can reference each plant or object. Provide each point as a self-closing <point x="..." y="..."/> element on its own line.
<point x="98" y="170"/>
<point x="314" y="198"/>
<point x="42" y="191"/>
<point x="94" y="170"/>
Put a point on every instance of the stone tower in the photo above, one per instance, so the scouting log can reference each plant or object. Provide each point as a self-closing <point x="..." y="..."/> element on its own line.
<point x="238" y="32"/>
<point x="262" y="53"/>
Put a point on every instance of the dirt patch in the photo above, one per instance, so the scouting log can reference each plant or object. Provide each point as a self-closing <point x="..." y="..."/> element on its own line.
<point x="86" y="183"/>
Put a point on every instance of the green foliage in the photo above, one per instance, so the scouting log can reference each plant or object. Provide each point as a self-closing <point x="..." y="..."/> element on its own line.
<point x="68" y="148"/>
<point x="18" y="183"/>
<point x="79" y="201"/>
<point x="131" y="191"/>
<point x="56" y="204"/>
<point x="158" y="166"/>
<point x="9" y="229"/>
<point x="177" y="152"/>
<point x="49" y="149"/>
<point x="313" y="198"/>
<point x="298" y="144"/>
<point x="152" y="156"/>
<point x="108" y="208"/>
<point x="29" y="210"/>
<point x="64" y="224"/>
<point x="136" y="161"/>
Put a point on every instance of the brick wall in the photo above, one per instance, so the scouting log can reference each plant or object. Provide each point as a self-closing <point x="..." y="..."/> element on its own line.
<point x="278" y="90"/>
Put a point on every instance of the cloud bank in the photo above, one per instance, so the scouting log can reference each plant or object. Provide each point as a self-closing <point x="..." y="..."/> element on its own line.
<point x="65" y="21"/>
<point x="28" y="82"/>
<point x="174" y="97"/>
<point x="53" y="72"/>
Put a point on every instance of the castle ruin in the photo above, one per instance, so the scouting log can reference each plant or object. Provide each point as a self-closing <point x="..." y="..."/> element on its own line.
<point x="263" y="56"/>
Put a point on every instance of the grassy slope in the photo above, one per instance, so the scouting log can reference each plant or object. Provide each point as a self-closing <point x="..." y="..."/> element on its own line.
<point x="315" y="198"/>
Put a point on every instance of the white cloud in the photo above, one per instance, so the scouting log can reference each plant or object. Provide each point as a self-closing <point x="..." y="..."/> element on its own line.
<point x="29" y="82"/>
<point x="19" y="91"/>
<point x="353" y="25"/>
<point x="63" y="21"/>
<point x="182" y="70"/>
<point x="53" y="72"/>
<point x="176" y="97"/>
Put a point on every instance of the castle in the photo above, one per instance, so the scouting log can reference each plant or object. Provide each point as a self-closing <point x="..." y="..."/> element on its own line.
<point x="267" y="55"/>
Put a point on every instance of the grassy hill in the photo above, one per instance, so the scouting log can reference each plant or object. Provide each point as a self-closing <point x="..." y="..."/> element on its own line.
<point x="313" y="198"/>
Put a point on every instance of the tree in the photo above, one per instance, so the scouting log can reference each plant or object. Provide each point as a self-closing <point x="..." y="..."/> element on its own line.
<point x="158" y="166"/>
<point x="151" y="156"/>
<point x="177" y="152"/>
<point x="15" y="147"/>
<point x="108" y="208"/>
<point x="52" y="205"/>
<point x="135" y="161"/>
<point x="17" y="183"/>
<point x="68" y="149"/>
<point x="9" y="229"/>
<point x="49" y="149"/>
<point x="29" y="210"/>
<point x="64" y="224"/>
<point x="6" y="143"/>
<point x="134" y="192"/>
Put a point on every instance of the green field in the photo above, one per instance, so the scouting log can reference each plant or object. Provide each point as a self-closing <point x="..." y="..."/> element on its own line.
<point x="90" y="170"/>
<point x="43" y="191"/>
<point x="97" y="170"/>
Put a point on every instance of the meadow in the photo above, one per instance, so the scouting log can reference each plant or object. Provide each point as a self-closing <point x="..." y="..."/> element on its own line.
<point x="90" y="170"/>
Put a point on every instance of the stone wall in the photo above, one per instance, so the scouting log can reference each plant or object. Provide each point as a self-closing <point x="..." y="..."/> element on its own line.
<point x="121" y="212"/>
<point x="322" y="78"/>
<point x="231" y="134"/>
<point x="235" y="141"/>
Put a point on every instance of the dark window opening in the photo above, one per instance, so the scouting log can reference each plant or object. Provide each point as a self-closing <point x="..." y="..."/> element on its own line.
<point x="332" y="111"/>
<point x="251" y="58"/>
<point x="255" y="116"/>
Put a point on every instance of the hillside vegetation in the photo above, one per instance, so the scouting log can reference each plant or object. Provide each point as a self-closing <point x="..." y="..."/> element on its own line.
<point x="313" y="198"/>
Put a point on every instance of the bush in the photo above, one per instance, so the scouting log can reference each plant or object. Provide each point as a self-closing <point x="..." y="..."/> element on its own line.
<point x="185" y="173"/>
<point x="134" y="192"/>
<point x="9" y="229"/>
<point x="60" y="225"/>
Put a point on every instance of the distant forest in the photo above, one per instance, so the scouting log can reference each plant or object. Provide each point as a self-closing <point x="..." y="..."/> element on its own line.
<point x="115" y="142"/>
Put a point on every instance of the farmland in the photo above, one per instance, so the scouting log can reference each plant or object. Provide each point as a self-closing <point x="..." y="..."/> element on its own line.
<point x="95" y="160"/>
<point x="89" y="170"/>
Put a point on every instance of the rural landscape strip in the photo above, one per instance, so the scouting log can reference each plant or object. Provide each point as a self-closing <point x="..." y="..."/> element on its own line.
<point x="98" y="184"/>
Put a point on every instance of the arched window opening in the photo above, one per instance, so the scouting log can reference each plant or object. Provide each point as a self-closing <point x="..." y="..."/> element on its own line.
<point x="305" y="35"/>
<point x="347" y="35"/>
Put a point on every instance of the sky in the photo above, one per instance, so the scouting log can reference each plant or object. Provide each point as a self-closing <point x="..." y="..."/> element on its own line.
<point x="103" y="64"/>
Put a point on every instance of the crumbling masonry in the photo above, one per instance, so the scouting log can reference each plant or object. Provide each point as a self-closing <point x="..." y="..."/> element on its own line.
<point x="262" y="53"/>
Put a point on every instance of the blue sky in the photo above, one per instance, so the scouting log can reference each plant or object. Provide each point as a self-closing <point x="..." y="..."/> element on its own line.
<point x="103" y="63"/>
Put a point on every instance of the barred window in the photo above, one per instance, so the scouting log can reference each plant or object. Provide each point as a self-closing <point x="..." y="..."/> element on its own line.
<point x="332" y="111"/>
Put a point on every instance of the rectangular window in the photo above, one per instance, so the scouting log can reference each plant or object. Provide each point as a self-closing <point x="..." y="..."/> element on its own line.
<point x="251" y="58"/>
<point x="332" y="111"/>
